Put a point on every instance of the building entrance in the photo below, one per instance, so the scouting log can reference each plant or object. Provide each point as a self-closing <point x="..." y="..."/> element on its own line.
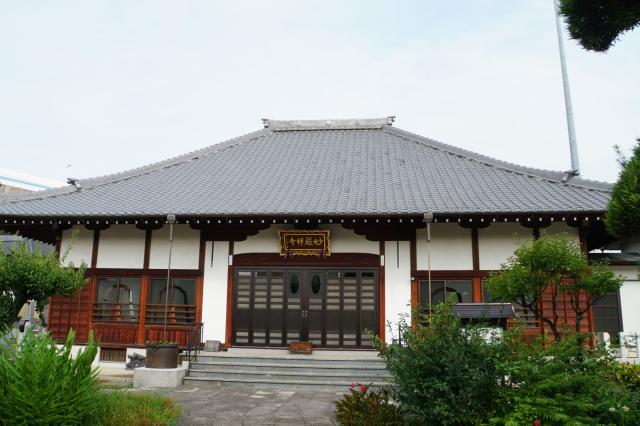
<point x="330" y="308"/>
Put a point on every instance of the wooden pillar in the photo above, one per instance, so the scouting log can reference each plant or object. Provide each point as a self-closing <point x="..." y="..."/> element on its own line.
<point x="476" y="295"/>
<point x="144" y="288"/>
<point x="229" y="316"/>
<point x="381" y="295"/>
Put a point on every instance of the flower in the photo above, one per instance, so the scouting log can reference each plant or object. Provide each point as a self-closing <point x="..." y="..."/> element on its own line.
<point x="353" y="385"/>
<point x="625" y="408"/>
<point x="536" y="422"/>
<point x="612" y="409"/>
<point x="363" y="388"/>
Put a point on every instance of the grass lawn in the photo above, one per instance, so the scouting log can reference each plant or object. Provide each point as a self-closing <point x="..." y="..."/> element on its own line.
<point x="136" y="409"/>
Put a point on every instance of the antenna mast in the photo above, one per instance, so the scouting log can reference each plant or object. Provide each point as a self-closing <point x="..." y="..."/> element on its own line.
<point x="573" y="146"/>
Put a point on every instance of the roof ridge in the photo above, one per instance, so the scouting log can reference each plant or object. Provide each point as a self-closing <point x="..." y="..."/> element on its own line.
<point x="551" y="175"/>
<point x="328" y="124"/>
<point x="137" y="171"/>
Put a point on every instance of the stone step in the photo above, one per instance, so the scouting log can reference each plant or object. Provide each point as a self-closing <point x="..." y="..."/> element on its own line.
<point x="291" y="384"/>
<point x="314" y="368"/>
<point x="293" y="375"/>
<point x="290" y="359"/>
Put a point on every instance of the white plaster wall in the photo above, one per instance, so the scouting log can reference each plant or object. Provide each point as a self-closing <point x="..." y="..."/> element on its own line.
<point x="450" y="247"/>
<point x="185" y="251"/>
<point x="342" y="241"/>
<point x="265" y="241"/>
<point x="629" y="273"/>
<point x="629" y="298"/>
<point x="562" y="228"/>
<point x="346" y="241"/>
<point x="121" y="246"/>
<point x="397" y="284"/>
<point x="214" y="293"/>
<point x="81" y="248"/>
<point x="498" y="241"/>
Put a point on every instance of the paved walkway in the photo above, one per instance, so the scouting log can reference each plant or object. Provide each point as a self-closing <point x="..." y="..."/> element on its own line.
<point x="243" y="405"/>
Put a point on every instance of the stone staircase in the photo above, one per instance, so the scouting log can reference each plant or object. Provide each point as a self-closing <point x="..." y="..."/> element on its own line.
<point x="323" y="370"/>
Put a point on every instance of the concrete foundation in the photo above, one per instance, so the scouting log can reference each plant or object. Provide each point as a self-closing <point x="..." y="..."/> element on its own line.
<point x="144" y="377"/>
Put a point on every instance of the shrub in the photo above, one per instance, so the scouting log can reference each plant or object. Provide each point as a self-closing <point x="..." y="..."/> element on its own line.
<point x="364" y="406"/>
<point x="628" y="375"/>
<point x="445" y="374"/>
<point x="564" y="383"/>
<point x="136" y="409"/>
<point x="45" y="385"/>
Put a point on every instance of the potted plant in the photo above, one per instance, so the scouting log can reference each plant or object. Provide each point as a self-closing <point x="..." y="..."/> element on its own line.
<point x="162" y="354"/>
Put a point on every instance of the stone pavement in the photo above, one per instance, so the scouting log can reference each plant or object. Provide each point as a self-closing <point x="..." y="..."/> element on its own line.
<point x="245" y="405"/>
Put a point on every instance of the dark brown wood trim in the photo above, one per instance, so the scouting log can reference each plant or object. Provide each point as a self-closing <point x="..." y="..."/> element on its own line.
<point x="92" y="297"/>
<point x="353" y="260"/>
<point x="414" y="254"/>
<point x="58" y="241"/>
<point x="475" y="249"/>
<point x="229" y="317"/>
<point x="147" y="249"/>
<point x="385" y="231"/>
<point x="92" y="278"/>
<point x="535" y="232"/>
<point x="154" y="273"/>
<point x="453" y="274"/>
<point x="144" y="288"/>
<point x="203" y="242"/>
<point x="582" y="235"/>
<point x="199" y="291"/>
<point x="476" y="295"/>
<point x="94" y="249"/>
<point x="381" y="295"/>
<point x="58" y="246"/>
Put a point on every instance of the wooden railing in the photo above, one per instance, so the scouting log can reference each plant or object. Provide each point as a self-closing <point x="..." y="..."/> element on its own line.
<point x="526" y="319"/>
<point x="176" y="314"/>
<point x="116" y="312"/>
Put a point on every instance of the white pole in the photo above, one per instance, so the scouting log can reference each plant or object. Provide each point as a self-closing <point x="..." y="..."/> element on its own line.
<point x="573" y="146"/>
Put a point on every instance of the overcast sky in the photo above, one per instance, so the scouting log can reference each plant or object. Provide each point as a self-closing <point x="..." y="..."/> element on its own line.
<point x="94" y="87"/>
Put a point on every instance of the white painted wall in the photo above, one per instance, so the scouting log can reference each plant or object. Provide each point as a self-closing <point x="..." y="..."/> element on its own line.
<point x="497" y="242"/>
<point x="629" y="298"/>
<point x="450" y="247"/>
<point x="265" y="241"/>
<point x="214" y="293"/>
<point x="341" y="241"/>
<point x="121" y="246"/>
<point x="397" y="283"/>
<point x="185" y="252"/>
<point x="81" y="248"/>
<point x="562" y="228"/>
<point x="346" y="241"/>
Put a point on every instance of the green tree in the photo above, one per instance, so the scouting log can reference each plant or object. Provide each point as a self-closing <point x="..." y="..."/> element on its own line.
<point x="26" y="276"/>
<point x="551" y="266"/>
<point x="445" y="374"/>
<point x="623" y="212"/>
<point x="597" y="24"/>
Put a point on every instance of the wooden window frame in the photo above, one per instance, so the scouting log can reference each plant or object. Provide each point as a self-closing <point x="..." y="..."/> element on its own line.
<point x="116" y="309"/>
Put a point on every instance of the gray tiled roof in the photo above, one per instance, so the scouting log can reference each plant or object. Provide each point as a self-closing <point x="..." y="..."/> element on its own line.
<point x="346" y="167"/>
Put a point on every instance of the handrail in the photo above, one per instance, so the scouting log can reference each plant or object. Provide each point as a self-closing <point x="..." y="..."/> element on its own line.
<point x="194" y="345"/>
<point x="176" y="314"/>
<point x="115" y="312"/>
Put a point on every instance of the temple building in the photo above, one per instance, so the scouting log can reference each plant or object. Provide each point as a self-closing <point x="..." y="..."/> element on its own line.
<point x="304" y="231"/>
